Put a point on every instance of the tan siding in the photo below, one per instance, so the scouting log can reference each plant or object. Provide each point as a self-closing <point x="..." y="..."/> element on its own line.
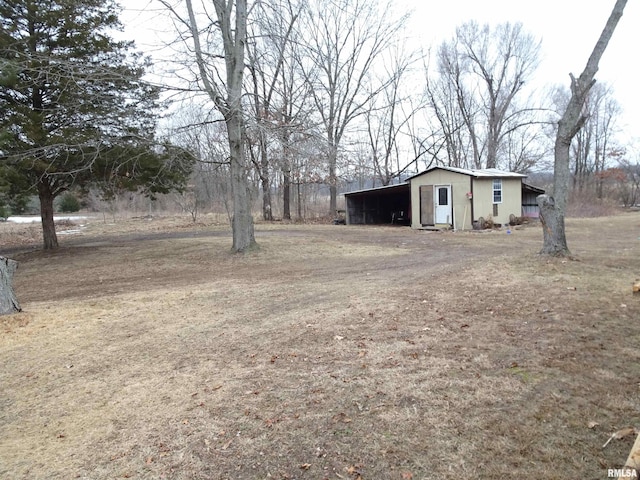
<point x="483" y="199"/>
<point x="462" y="206"/>
<point x="460" y="185"/>
<point x="512" y="199"/>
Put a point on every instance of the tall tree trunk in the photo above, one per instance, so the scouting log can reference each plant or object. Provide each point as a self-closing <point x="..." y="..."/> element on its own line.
<point x="267" y="213"/>
<point x="333" y="179"/>
<point x="234" y="38"/>
<point x="8" y="302"/>
<point x="242" y="221"/>
<point x="299" y="202"/>
<point x="286" y="163"/>
<point x="47" y="197"/>
<point x="286" y="191"/>
<point x="492" y="143"/>
<point x="553" y="209"/>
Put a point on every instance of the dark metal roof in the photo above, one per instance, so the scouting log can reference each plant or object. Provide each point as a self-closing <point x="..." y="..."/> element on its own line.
<point x="531" y="188"/>
<point x="383" y="189"/>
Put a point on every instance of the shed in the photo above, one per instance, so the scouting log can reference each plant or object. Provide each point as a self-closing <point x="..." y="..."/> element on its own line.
<point x="456" y="197"/>
<point x="444" y="197"/>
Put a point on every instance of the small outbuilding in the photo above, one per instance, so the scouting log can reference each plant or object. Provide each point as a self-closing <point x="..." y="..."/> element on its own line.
<point x="390" y="204"/>
<point x="445" y="197"/>
<point x="456" y="197"/>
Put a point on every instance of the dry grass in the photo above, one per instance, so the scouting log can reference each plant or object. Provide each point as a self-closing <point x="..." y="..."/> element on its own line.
<point x="331" y="352"/>
<point x="14" y="234"/>
<point x="585" y="205"/>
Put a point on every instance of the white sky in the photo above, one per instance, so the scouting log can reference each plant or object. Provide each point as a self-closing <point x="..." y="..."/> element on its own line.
<point x="568" y="29"/>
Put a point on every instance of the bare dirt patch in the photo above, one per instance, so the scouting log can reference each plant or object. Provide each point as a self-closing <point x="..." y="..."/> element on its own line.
<point x="330" y="352"/>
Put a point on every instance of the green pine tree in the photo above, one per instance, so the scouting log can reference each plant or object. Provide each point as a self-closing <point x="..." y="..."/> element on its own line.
<point x="74" y="108"/>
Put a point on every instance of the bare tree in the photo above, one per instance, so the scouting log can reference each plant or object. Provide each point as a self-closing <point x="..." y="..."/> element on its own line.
<point x="553" y="208"/>
<point x="269" y="68"/>
<point x="344" y="39"/>
<point x="486" y="69"/>
<point x="207" y="142"/>
<point x="294" y="133"/>
<point x="594" y="142"/>
<point x="591" y="145"/>
<point x="447" y="98"/>
<point x="424" y="139"/>
<point x="525" y="148"/>
<point x="224" y="87"/>
<point x="456" y="107"/>
<point x="389" y="115"/>
<point x="629" y="185"/>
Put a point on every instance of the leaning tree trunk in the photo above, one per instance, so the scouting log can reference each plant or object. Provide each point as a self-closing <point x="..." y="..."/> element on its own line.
<point x="552" y="209"/>
<point x="8" y="302"/>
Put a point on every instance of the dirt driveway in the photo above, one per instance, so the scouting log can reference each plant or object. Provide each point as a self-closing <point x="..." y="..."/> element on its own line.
<point x="330" y="352"/>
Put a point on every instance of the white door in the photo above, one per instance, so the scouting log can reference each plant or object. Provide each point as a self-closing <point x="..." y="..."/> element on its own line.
<point x="442" y="201"/>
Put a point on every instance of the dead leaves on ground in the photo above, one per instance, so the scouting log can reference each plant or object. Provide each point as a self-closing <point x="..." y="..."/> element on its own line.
<point x="355" y="471"/>
<point x="341" y="418"/>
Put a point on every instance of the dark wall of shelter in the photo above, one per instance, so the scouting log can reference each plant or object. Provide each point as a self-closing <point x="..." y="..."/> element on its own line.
<point x="379" y="208"/>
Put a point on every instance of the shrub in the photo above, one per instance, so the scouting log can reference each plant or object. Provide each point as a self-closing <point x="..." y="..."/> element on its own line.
<point x="68" y="203"/>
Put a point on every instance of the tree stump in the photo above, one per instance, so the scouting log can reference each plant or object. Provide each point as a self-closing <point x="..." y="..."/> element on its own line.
<point x="8" y="302"/>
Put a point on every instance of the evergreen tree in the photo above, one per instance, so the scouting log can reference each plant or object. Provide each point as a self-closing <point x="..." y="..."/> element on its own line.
<point x="74" y="109"/>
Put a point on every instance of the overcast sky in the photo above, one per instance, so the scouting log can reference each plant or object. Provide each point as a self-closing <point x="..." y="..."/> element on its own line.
<point x="568" y="29"/>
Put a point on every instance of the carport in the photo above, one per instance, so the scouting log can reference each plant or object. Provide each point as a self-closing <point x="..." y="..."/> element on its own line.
<point x="379" y="206"/>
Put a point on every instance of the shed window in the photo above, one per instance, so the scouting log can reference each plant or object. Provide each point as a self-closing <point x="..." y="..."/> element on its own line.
<point x="497" y="190"/>
<point x="443" y="196"/>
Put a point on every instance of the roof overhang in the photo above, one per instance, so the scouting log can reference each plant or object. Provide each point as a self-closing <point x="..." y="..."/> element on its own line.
<point x="530" y="188"/>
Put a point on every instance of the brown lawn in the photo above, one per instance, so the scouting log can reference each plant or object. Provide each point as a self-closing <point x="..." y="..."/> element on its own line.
<point x="147" y="351"/>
